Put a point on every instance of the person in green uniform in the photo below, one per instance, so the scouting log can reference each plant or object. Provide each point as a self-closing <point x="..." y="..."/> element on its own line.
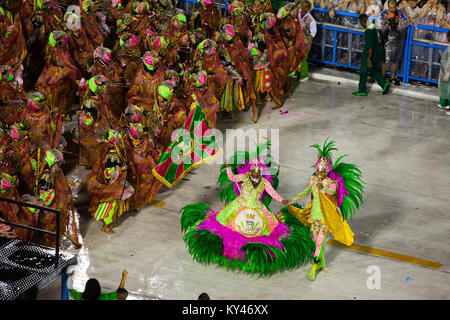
<point x="371" y="58"/>
<point x="93" y="291"/>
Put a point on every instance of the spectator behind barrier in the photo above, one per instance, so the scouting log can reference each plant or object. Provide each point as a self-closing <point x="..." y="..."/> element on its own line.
<point x="392" y="24"/>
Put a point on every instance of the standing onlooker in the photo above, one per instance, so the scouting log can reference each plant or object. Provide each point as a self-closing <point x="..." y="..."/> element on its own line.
<point x="318" y="15"/>
<point x="352" y="6"/>
<point x="444" y="87"/>
<point x="309" y="27"/>
<point x="371" y="58"/>
<point x="372" y="8"/>
<point x="430" y="16"/>
<point x="393" y="23"/>
<point x="411" y="10"/>
<point x="332" y="5"/>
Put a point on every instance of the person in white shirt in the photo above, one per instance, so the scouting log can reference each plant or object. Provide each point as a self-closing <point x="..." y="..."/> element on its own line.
<point x="309" y="27"/>
<point x="372" y="8"/>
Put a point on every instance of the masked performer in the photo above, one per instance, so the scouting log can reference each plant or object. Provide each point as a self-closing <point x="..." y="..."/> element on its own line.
<point x="12" y="212"/>
<point x="293" y="39"/>
<point x="309" y="26"/>
<point x="336" y="189"/>
<point x="89" y="23"/>
<point x="146" y="81"/>
<point x="91" y="126"/>
<point x="104" y="64"/>
<point x="239" y="19"/>
<point x="13" y="49"/>
<point x="107" y="183"/>
<point x="18" y="154"/>
<point x="207" y="58"/>
<point x="45" y="126"/>
<point x="39" y="18"/>
<point x="200" y="85"/>
<point x="237" y="63"/>
<point x="129" y="55"/>
<point x="118" y="8"/>
<point x="96" y="88"/>
<point x="54" y="191"/>
<point x="12" y="97"/>
<point x="245" y="234"/>
<point x="141" y="19"/>
<point x="173" y="112"/>
<point x="164" y="48"/>
<point x="178" y="35"/>
<point x="210" y="17"/>
<point x="264" y="64"/>
<point x="80" y="46"/>
<point x="58" y="79"/>
<point x="143" y="158"/>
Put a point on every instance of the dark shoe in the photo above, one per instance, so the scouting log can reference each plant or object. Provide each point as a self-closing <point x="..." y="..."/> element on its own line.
<point x="396" y="81"/>
<point x="360" y="94"/>
<point x="385" y="88"/>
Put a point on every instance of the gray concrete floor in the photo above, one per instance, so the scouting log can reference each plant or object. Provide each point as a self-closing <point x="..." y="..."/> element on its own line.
<point x="401" y="146"/>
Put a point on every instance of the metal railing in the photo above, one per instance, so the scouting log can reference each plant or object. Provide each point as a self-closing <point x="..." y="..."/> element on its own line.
<point x="340" y="45"/>
<point x="58" y="223"/>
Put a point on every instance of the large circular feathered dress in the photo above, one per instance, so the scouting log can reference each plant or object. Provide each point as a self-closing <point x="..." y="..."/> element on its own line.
<point x="245" y="234"/>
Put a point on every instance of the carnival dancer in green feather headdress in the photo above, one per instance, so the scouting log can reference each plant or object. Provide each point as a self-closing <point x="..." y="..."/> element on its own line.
<point x="245" y="235"/>
<point x="336" y="191"/>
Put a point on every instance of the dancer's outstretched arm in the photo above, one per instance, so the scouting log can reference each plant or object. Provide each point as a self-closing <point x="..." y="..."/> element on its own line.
<point x="271" y="191"/>
<point x="304" y="193"/>
<point x="233" y="177"/>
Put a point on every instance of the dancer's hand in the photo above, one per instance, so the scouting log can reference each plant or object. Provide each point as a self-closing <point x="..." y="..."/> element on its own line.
<point x="286" y="202"/>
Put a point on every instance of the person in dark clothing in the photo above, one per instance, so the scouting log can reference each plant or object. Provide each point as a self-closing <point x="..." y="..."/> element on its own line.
<point x="93" y="291"/>
<point x="371" y="58"/>
<point x="204" y="296"/>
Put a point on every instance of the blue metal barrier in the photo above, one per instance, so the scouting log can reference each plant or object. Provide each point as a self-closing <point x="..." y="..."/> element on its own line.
<point x="425" y="54"/>
<point x="421" y="57"/>
<point x="348" y="43"/>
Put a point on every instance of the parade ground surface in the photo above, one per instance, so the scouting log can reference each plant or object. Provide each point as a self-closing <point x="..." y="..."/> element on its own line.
<point x="402" y="230"/>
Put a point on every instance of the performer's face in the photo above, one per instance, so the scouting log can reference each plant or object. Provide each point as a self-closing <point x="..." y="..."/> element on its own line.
<point x="321" y="174"/>
<point x="256" y="174"/>
<point x="363" y="23"/>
